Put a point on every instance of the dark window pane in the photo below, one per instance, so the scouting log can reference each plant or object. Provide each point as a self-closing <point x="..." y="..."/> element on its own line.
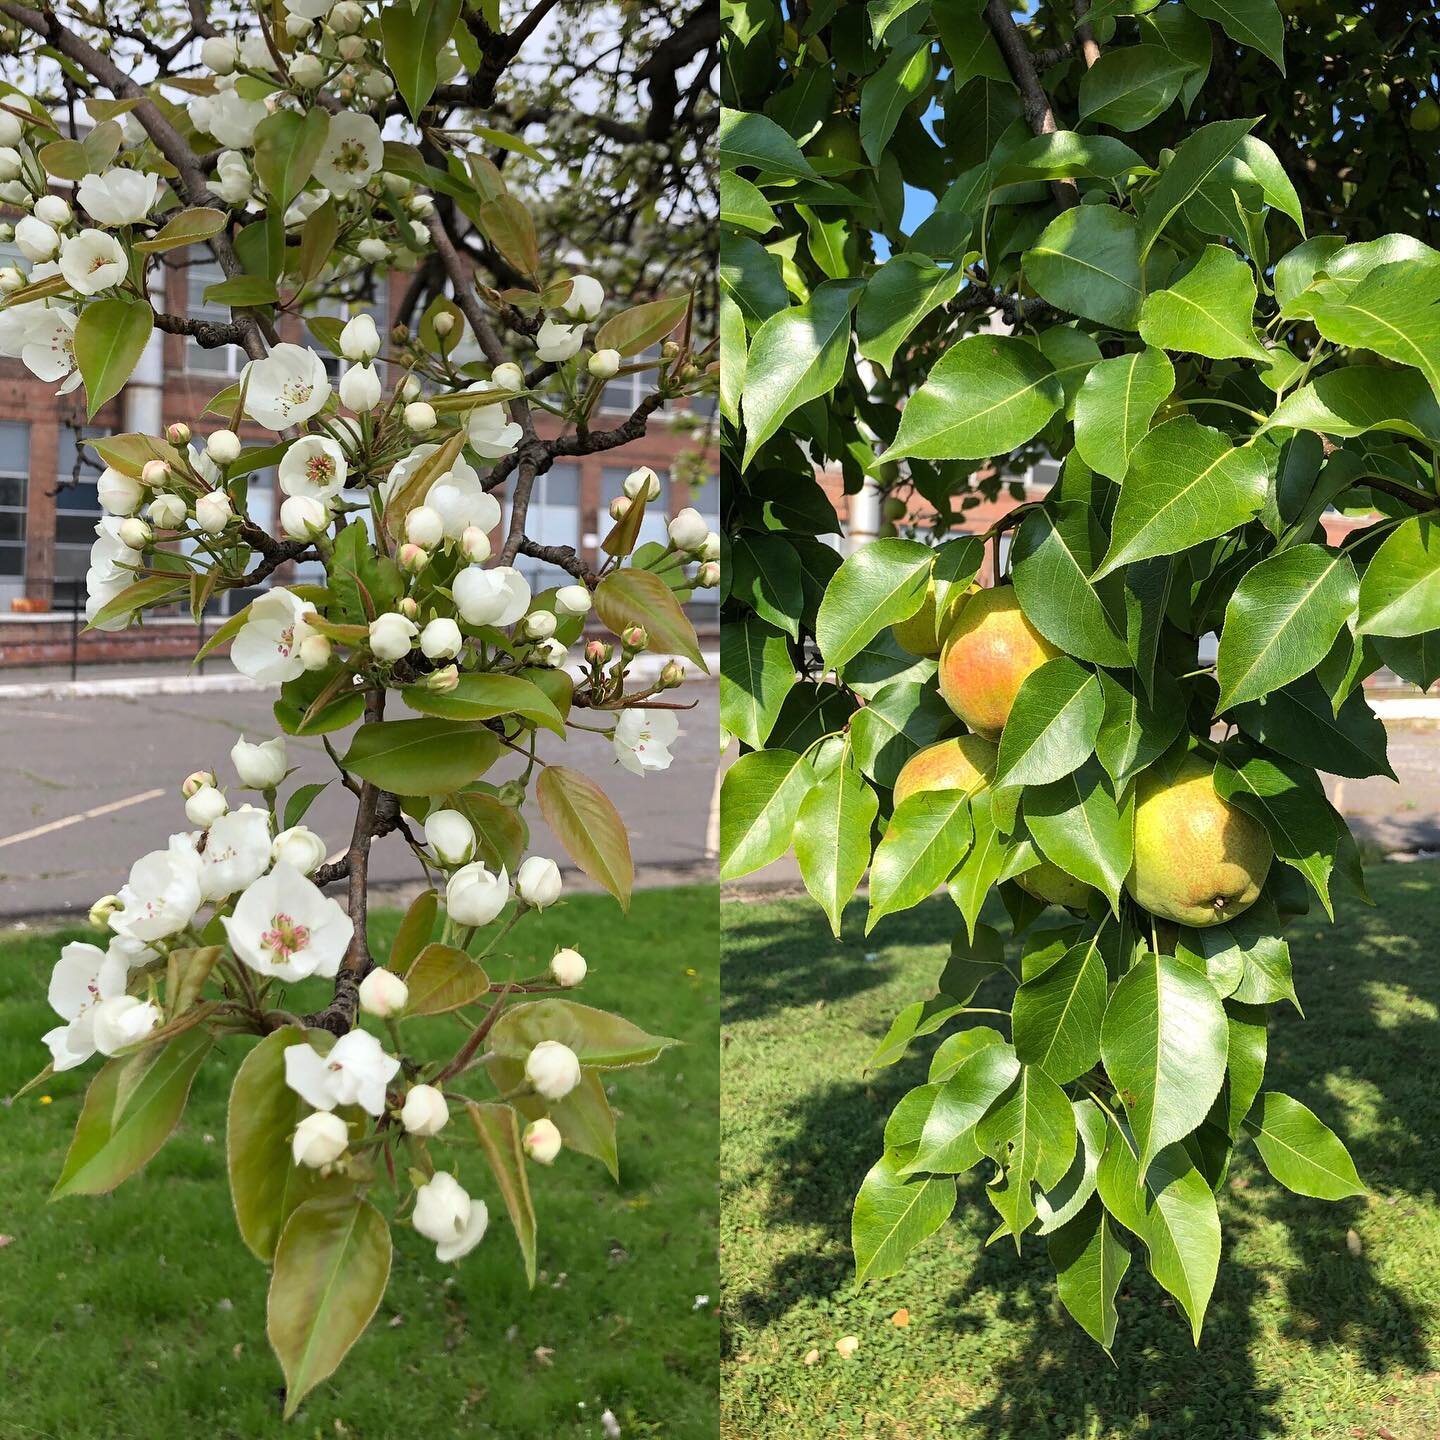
<point x="74" y="530"/>
<point x="12" y="524"/>
<point x="12" y="559"/>
<point x="12" y="491"/>
<point x="71" y="562"/>
<point x="14" y="447"/>
<point x="81" y="499"/>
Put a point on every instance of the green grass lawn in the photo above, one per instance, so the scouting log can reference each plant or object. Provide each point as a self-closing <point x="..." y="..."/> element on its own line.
<point x="1304" y="1338"/>
<point x="141" y="1316"/>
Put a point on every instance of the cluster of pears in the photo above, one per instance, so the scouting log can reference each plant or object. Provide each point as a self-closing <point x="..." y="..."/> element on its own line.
<point x="1198" y="859"/>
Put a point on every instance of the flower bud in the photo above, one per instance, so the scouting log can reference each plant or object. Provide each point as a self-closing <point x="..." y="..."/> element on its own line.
<point x="315" y="651"/>
<point x="411" y="558"/>
<point x="121" y="1021"/>
<point x="307" y="70"/>
<point x="549" y="653"/>
<point x="446" y="1214"/>
<point x="444" y="323"/>
<point x="300" y="847"/>
<point x="377" y="85"/>
<point x="262" y="766"/>
<point x="155" y="473"/>
<point x="451" y="836"/>
<point x="409" y="388"/>
<point x="422" y="205"/>
<point x="671" y="675"/>
<point x="552" y="1069"/>
<point x="598" y="652"/>
<point x="475" y="896"/>
<point x="420" y="417"/>
<point x="408" y="607"/>
<point x="373" y="249"/>
<point x="508" y="376"/>
<point x="634" y="637"/>
<point x="444" y="680"/>
<point x="213" y="512"/>
<point x="223" y="447"/>
<point x="135" y="533"/>
<point x="391" y="636"/>
<point x="295" y="27"/>
<point x="688" y="530"/>
<point x="441" y="639"/>
<point x="537" y="881"/>
<point x="118" y="494"/>
<point x="103" y="909"/>
<point x="710" y="550"/>
<point x="643" y="481"/>
<point x="360" y="389"/>
<point x="53" y="211"/>
<point x="37" y="240"/>
<point x="669" y="350"/>
<point x="619" y="507"/>
<point x="320" y="1139"/>
<point x="425" y="526"/>
<point x="168" y="511"/>
<point x="572" y="600"/>
<point x="205" y="807"/>
<point x="11" y="128"/>
<point x="12" y="165"/>
<point x="303" y="517"/>
<point x="360" y="339"/>
<point x="538" y="625"/>
<point x="475" y="545"/>
<point x="542" y="1140"/>
<point x="708" y="575"/>
<point x="12" y="278"/>
<point x="346" y="17"/>
<point x="604" y="364"/>
<point x="424" y="1111"/>
<point x="219" y="53"/>
<point x="196" y="780"/>
<point x="350" y="48"/>
<point x="383" y="994"/>
<point x="567" y="968"/>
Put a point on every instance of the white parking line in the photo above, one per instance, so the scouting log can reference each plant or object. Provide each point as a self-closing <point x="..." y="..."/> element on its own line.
<point x="94" y="814"/>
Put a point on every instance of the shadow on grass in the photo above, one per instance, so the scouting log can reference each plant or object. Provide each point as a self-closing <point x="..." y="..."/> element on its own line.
<point x="1371" y="998"/>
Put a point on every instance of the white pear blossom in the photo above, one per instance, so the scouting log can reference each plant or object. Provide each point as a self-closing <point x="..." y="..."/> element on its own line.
<point x="111" y="571"/>
<point x="284" y="926"/>
<point x="462" y="501"/>
<point x="48" y="347"/>
<point x="219" y="53"/>
<point x="475" y="895"/>
<point x="205" y="807"/>
<point x="424" y="1111"/>
<point x="302" y="517"/>
<point x="445" y="1213"/>
<point x="260" y="766"/>
<point x="299" y="847"/>
<point x="12" y="164"/>
<point x="492" y="434"/>
<point x="392" y="636"/>
<point x="36" y="240"/>
<point x="228" y="116"/>
<point x="121" y="1021"/>
<point x="642" y="739"/>
<point x="586" y="297"/>
<point x="267" y="647"/>
<point x="288" y="387"/>
<point x="552" y="1069"/>
<point x="168" y="511"/>
<point x="360" y="339"/>
<point x="314" y="466"/>
<point x="236" y="853"/>
<point x="222" y="447"/>
<point x="355" y="1072"/>
<point x="213" y="511"/>
<point x="320" y="1139"/>
<point x="118" y="197"/>
<point x="83" y="976"/>
<point x="557" y="342"/>
<point x="568" y="968"/>
<point x="352" y="153"/>
<point x="498" y="596"/>
<point x="441" y="639"/>
<point x="450" y="835"/>
<point x="360" y="388"/>
<point x="232" y="180"/>
<point x="572" y="600"/>
<point x="162" y="893"/>
<point x="383" y="993"/>
<point x="542" y="1140"/>
<point x="537" y="881"/>
<point x="688" y="530"/>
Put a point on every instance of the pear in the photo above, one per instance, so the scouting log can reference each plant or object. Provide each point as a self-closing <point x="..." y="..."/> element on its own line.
<point x="989" y="651"/>
<point x="1052" y="884"/>
<point x="965" y="762"/>
<point x="1198" y="859"/>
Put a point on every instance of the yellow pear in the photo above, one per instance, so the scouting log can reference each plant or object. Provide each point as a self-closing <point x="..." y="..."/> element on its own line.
<point x="965" y="762"/>
<point x="1198" y="859"/>
<point x="989" y="651"/>
<point x="916" y="633"/>
<point x="1050" y="883"/>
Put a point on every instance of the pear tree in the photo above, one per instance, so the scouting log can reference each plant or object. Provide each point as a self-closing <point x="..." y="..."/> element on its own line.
<point x="1109" y="753"/>
<point x="314" y="150"/>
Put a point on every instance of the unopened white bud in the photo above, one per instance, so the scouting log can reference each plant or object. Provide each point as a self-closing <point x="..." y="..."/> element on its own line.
<point x="383" y="994"/>
<point x="315" y="651"/>
<point x="12" y="278"/>
<point x="572" y="600"/>
<point x="424" y="1111"/>
<point x="320" y="1139"/>
<point x="103" y="909"/>
<point x="425" y="526"/>
<point x="708" y="575"/>
<point x="542" y="1140"/>
<point x="420" y="417"/>
<point x="642" y="482"/>
<point x="155" y="472"/>
<point x="451" y="836"/>
<point x="135" y="533"/>
<point x="391" y="636"/>
<point x="508" y="376"/>
<point x="537" y="881"/>
<point x="219" y="54"/>
<point x="604" y="364"/>
<point x="567" y="968"/>
<point x="475" y="545"/>
<point x="303" y="517"/>
<point x="223" y="447"/>
<point x="307" y="71"/>
<point x="360" y="389"/>
<point x="412" y="558"/>
<point x="196" y="780"/>
<point x="688" y="530"/>
<point x="538" y="625"/>
<point x="168" y="511"/>
<point x="213" y="511"/>
<point x="552" y="1069"/>
<point x="346" y="18"/>
<point x="444" y="323"/>
<point x="441" y="639"/>
<point x="205" y="807"/>
<point x="350" y="47"/>
<point x="373" y="249"/>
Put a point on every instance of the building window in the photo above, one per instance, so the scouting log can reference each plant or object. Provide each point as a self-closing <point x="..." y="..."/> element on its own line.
<point x="14" y="494"/>
<point x="224" y="359"/>
<point x="552" y="519"/>
<point x="655" y="526"/>
<point x="622" y="394"/>
<point x="77" y="507"/>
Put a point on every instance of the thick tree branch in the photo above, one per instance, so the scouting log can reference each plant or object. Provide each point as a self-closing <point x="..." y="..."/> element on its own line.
<point x="211" y="334"/>
<point x="1089" y="47"/>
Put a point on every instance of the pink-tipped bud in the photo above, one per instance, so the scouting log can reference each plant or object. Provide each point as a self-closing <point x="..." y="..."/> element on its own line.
<point x="196" y="780"/>
<point x="412" y="559"/>
<point x="475" y="545"/>
<point x="634" y="637"/>
<point x="408" y="608"/>
<point x="155" y="473"/>
<point x="597" y="652"/>
<point x="178" y="433"/>
<point x="619" y="506"/>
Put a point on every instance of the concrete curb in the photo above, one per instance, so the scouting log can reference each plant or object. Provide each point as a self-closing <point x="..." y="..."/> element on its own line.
<point x="138" y="686"/>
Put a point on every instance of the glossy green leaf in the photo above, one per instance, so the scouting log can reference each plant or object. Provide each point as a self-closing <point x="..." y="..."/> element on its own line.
<point x="1400" y="589"/>
<point x="1090" y="1261"/>
<point x="1087" y="262"/>
<point x="1358" y="398"/>
<point x="596" y="1036"/>
<point x="110" y="336"/>
<point x="877" y="585"/>
<point x="488" y="695"/>
<point x="892" y="1216"/>
<point x="897" y="297"/>
<point x="1193" y="164"/>
<point x="1059" y="1205"/>
<point x="414" y="39"/>
<point x="832" y="839"/>
<point x="1067" y="155"/>
<point x="947" y="1144"/>
<point x="1256" y="23"/>
<point x="630" y="596"/>
<point x="760" y="799"/>
<point x="1052" y="725"/>
<point x="1076" y="823"/>
<point x="754" y="141"/>
<point x="1030" y="1130"/>
<point x="287" y="145"/>
<point x="897" y="83"/>
<point x="442" y="978"/>
<point x="755" y="675"/>
<point x="497" y="1129"/>
<point x="1209" y="311"/>
<point x="1129" y="85"/>
<point x="1117" y="401"/>
<point x="1057" y="1014"/>
<point x="421" y="757"/>
<point x="923" y="843"/>
<point x="1300" y="1150"/>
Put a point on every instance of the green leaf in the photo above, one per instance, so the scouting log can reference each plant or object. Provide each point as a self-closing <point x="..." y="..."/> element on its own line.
<point x="414" y="39"/>
<point x="1300" y="1151"/>
<point x="982" y="864"/>
<point x="900" y="719"/>
<point x="1137" y="729"/>
<point x="1057" y="1014"/>
<point x="897" y="83"/>
<point x="1087" y="262"/>
<point x="1186" y="483"/>
<point x="987" y="395"/>
<point x="765" y="573"/>
<point x="420" y="757"/>
<point x="1245" y="1063"/>
<point x="832" y="839"/>
<point x="485" y="696"/>
<point x="1090" y="1261"/>
<point x="1127" y="87"/>
<point x="1358" y="398"/>
<point x="509" y="227"/>
<point x="1300" y="722"/>
<point x="1400" y="589"/>
<point x="1164" y="1044"/>
<point x="1076" y="823"/>
<point x="756" y="673"/>
<point x="242" y="290"/>
<point x="754" y="141"/>
<point x="442" y="978"/>
<point x="796" y="356"/>
<point x="1118" y="398"/>
<point x="1193" y="164"/>
<point x="1072" y="1192"/>
<point x="598" y="1038"/>
<point x="896" y="298"/>
<point x="142" y="595"/>
<point x="1054" y="553"/>
<point x="331" y="1269"/>
<point x="877" y="585"/>
<point x="922" y="845"/>
<point x="1052" y="725"/>
<point x="641" y="326"/>
<point x="947" y="1144"/>
<point x="588" y="825"/>
<point x="110" y="336"/>
<point x="1256" y="23"/>
<point x="1065" y="155"/>
<point x="1282" y="620"/>
<point x="1209" y="311"/>
<point x="1030" y="1130"/>
<point x="497" y="1128"/>
<point x="287" y="145"/>
<point x="760" y="800"/>
<point x="629" y="596"/>
<point x="892" y="1216"/>
<point x="742" y="204"/>
<point x="415" y="930"/>
<point x="266" y="1185"/>
<point x="131" y="1107"/>
<point x="184" y="227"/>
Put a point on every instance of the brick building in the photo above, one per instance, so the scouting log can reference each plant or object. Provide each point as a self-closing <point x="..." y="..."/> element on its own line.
<point x="48" y="506"/>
